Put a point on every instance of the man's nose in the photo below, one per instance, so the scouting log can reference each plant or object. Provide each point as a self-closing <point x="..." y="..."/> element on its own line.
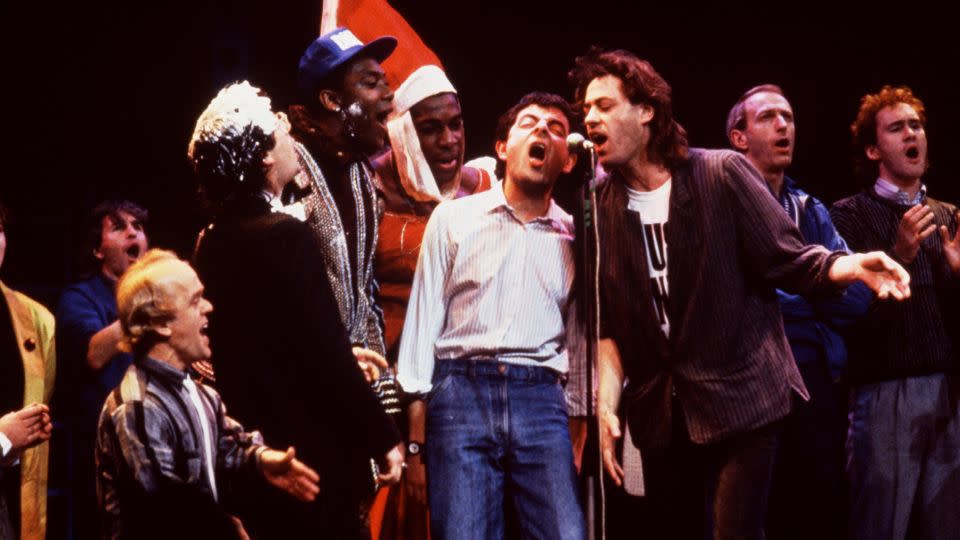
<point x="592" y="117"/>
<point x="387" y="94"/>
<point x="449" y="137"/>
<point x="542" y="125"/>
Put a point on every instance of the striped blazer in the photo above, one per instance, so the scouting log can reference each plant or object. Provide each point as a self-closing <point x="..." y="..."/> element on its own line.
<point x="149" y="440"/>
<point x="730" y="246"/>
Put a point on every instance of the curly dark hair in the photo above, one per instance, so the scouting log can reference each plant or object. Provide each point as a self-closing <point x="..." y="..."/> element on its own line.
<point x="231" y="164"/>
<point x="93" y="225"/>
<point x="543" y="99"/>
<point x="864" y="127"/>
<point x="641" y="84"/>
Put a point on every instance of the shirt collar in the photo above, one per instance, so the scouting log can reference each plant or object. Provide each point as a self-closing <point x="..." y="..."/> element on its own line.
<point x="555" y="216"/>
<point x="890" y="191"/>
<point x="162" y="369"/>
<point x="296" y="210"/>
<point x="275" y="204"/>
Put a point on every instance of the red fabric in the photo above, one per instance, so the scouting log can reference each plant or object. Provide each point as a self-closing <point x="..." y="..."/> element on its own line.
<point x="398" y="248"/>
<point x="370" y="19"/>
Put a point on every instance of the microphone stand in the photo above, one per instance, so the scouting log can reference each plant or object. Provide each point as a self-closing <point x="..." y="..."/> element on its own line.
<point x="589" y="302"/>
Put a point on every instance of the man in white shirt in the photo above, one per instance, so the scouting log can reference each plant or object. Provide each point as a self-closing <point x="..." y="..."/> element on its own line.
<point x="484" y="341"/>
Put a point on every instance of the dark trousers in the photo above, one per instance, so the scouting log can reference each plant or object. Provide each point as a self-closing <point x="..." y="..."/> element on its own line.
<point x="808" y="493"/>
<point x="693" y="489"/>
<point x="904" y="459"/>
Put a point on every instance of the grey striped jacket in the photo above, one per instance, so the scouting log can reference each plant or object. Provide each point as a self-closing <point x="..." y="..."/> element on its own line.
<point x="149" y="439"/>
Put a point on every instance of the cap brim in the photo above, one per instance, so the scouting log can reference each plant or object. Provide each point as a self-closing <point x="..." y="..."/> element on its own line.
<point x="379" y="49"/>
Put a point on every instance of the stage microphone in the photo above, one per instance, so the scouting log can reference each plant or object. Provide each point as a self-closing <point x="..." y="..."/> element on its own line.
<point x="578" y="143"/>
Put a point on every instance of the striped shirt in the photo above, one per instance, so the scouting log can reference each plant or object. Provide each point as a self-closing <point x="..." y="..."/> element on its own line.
<point x="890" y="191"/>
<point x="488" y="285"/>
<point x="150" y="437"/>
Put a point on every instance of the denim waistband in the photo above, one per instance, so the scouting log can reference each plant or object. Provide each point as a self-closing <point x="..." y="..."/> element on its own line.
<point x="495" y="368"/>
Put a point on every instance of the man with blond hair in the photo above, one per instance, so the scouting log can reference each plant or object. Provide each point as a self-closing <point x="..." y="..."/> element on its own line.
<point x="166" y="448"/>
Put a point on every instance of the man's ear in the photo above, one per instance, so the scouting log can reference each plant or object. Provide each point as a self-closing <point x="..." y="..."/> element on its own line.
<point x="570" y="163"/>
<point x="645" y="113"/>
<point x="501" y="148"/>
<point x="873" y="153"/>
<point x="330" y="100"/>
<point x="738" y="140"/>
<point x="268" y="160"/>
<point x="163" y="330"/>
<point x="97" y="254"/>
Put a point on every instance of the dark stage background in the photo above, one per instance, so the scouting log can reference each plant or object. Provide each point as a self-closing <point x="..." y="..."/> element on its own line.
<point x="100" y="98"/>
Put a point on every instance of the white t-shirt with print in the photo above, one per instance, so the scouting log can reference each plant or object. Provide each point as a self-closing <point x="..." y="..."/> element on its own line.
<point x="654" y="209"/>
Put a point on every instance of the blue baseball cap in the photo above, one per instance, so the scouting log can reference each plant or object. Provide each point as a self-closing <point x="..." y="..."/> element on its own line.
<point x="332" y="50"/>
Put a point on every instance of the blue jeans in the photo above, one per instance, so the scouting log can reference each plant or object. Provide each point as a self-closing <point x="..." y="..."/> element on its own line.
<point x="496" y="428"/>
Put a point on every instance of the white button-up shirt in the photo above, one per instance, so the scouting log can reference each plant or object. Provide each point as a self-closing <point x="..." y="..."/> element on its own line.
<point x="488" y="285"/>
<point x="205" y="430"/>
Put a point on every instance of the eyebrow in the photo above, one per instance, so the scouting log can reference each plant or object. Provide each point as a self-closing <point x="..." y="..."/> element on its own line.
<point x="597" y="99"/>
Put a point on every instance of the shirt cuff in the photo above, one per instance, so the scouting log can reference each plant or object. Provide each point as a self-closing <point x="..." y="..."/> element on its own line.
<point x="5" y="445"/>
<point x="413" y="387"/>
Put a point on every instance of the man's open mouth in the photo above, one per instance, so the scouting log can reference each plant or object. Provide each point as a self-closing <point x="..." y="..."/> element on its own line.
<point x="538" y="151"/>
<point x="598" y="138"/>
<point x="913" y="152"/>
<point x="133" y="251"/>
<point x="782" y="143"/>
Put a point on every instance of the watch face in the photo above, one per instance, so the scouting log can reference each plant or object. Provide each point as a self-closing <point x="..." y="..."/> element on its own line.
<point x="413" y="448"/>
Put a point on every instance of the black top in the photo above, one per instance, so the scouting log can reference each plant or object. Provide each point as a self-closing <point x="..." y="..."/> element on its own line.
<point x="11" y="399"/>
<point x="912" y="337"/>
<point x="11" y="364"/>
<point x="283" y="360"/>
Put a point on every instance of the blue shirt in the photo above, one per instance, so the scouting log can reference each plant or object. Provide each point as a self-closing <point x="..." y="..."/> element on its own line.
<point x="86" y="308"/>
<point x="811" y="328"/>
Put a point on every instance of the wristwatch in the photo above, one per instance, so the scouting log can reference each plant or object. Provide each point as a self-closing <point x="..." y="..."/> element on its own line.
<point x="414" y="448"/>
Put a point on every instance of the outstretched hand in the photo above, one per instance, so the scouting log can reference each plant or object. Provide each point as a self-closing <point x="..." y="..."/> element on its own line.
<point x="27" y="427"/>
<point x="876" y="270"/>
<point x="285" y="471"/>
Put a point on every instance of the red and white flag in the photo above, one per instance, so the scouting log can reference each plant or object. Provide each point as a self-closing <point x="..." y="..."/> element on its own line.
<point x="370" y="19"/>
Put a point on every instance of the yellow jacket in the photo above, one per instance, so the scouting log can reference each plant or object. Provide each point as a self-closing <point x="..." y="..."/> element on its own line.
<point x="33" y="326"/>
